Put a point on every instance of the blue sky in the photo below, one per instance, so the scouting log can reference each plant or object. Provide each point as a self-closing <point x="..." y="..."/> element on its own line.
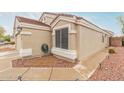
<point x="106" y="20"/>
<point x="7" y="19"/>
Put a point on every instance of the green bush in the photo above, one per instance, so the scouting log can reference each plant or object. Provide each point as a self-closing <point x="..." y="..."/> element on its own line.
<point x="111" y="51"/>
<point x="12" y="43"/>
<point x="7" y="38"/>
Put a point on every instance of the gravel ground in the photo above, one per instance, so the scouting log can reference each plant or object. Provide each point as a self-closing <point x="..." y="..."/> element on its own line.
<point x="112" y="68"/>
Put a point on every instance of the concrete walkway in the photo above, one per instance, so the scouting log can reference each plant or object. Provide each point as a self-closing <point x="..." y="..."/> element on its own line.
<point x="81" y="71"/>
<point x="88" y="67"/>
<point x="8" y="53"/>
<point x="34" y="73"/>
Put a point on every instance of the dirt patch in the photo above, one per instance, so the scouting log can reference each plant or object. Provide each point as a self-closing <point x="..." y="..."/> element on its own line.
<point x="112" y="68"/>
<point x="46" y="61"/>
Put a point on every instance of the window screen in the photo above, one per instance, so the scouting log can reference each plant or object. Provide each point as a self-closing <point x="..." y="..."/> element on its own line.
<point x="62" y="38"/>
<point x="57" y="38"/>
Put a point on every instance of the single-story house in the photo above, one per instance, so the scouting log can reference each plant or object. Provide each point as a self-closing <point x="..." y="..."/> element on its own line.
<point x="117" y="41"/>
<point x="68" y="36"/>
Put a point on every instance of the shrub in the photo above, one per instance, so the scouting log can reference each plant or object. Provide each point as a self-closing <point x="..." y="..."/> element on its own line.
<point x="12" y="43"/>
<point x="7" y="38"/>
<point x="111" y="51"/>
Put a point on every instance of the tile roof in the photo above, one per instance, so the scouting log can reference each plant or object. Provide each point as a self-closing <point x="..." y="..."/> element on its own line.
<point x="66" y="15"/>
<point x="51" y="13"/>
<point x="62" y="14"/>
<point x="31" y="21"/>
<point x="77" y="17"/>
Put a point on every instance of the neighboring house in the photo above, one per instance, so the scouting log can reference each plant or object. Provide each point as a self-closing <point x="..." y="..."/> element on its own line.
<point x="2" y="42"/>
<point x="68" y="36"/>
<point x="117" y="41"/>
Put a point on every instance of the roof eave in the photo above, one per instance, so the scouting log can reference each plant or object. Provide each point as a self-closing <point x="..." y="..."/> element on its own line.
<point x="43" y="24"/>
<point x="76" y="21"/>
<point x="27" y="25"/>
<point x="46" y="13"/>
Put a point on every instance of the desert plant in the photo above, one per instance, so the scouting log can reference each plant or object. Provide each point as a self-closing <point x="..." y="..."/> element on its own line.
<point x="111" y="51"/>
<point x="2" y="30"/>
<point x="121" y="21"/>
<point x="12" y="43"/>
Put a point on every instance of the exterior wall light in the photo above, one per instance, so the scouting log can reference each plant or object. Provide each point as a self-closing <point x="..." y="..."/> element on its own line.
<point x="19" y="28"/>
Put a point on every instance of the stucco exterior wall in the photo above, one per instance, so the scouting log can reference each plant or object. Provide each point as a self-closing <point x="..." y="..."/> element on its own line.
<point x="35" y="40"/>
<point x="61" y="23"/>
<point x="47" y="18"/>
<point x="18" y="42"/>
<point x="90" y="42"/>
<point x="73" y="37"/>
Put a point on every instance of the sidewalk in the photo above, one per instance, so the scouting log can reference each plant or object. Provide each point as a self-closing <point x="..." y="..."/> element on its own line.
<point x="88" y="67"/>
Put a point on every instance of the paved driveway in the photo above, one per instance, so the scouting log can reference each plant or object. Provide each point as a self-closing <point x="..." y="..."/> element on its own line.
<point x="112" y="68"/>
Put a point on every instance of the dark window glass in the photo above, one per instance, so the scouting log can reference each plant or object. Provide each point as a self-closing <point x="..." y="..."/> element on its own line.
<point x="64" y="38"/>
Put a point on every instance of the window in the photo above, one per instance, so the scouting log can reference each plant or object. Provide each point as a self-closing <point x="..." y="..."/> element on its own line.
<point x="57" y="38"/>
<point x="62" y="38"/>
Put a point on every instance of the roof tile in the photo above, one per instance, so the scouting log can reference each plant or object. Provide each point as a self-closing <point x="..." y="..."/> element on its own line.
<point x="31" y="21"/>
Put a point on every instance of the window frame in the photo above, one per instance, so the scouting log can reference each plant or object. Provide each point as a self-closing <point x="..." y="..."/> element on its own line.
<point x="61" y="29"/>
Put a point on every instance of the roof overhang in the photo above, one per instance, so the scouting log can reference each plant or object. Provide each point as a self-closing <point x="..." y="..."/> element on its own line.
<point x="29" y="26"/>
<point x="81" y="22"/>
<point x="32" y="26"/>
<point x="46" y="13"/>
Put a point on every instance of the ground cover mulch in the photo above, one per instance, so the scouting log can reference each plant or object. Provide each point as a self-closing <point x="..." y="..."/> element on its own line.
<point x="46" y="61"/>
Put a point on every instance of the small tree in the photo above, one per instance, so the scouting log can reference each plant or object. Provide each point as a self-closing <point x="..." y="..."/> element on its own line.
<point x="7" y="38"/>
<point x="2" y="31"/>
<point x="121" y="21"/>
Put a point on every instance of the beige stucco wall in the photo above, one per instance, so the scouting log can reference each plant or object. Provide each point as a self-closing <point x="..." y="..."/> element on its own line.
<point x="73" y="37"/>
<point x="90" y="42"/>
<point x="18" y="42"/>
<point x="47" y="18"/>
<point x="35" y="40"/>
